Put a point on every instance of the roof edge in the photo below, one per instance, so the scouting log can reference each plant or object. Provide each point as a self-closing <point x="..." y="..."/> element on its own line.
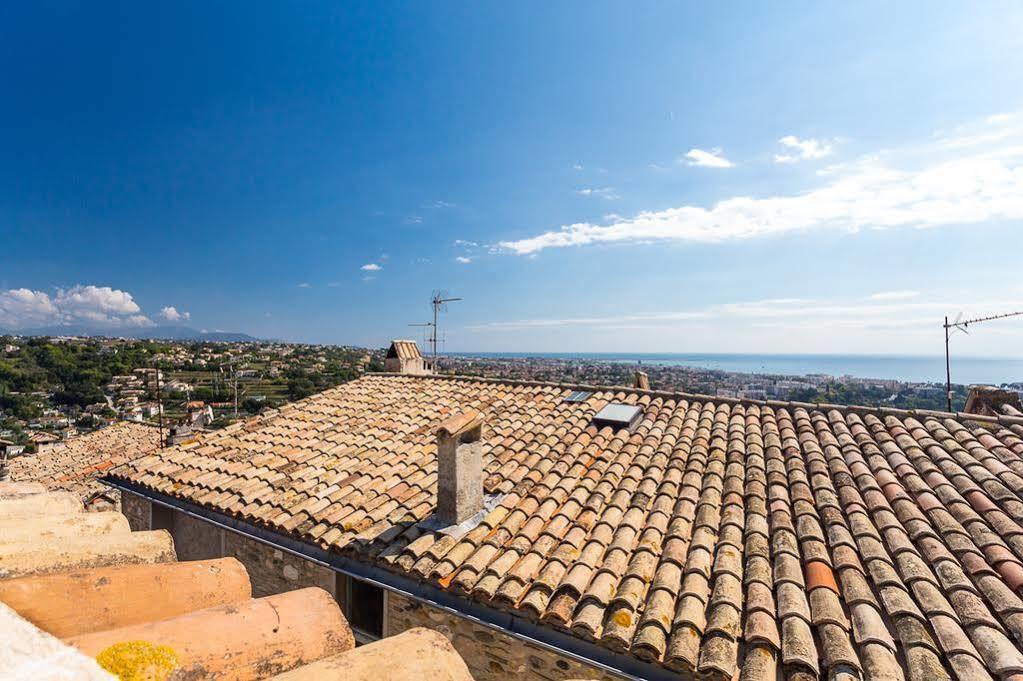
<point x="675" y="395"/>
<point x="509" y="623"/>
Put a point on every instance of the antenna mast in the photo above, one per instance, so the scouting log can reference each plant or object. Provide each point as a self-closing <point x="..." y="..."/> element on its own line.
<point x="439" y="301"/>
<point x="958" y="325"/>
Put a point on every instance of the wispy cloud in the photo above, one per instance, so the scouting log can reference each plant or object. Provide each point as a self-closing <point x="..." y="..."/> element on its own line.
<point x="849" y="313"/>
<point x="305" y="284"/>
<point x="894" y="295"/>
<point x="463" y="259"/>
<point x="606" y="193"/>
<point x="413" y="220"/>
<point x="701" y="158"/>
<point x="371" y="267"/>
<point x="928" y="186"/>
<point x="802" y="149"/>
<point x="463" y="243"/>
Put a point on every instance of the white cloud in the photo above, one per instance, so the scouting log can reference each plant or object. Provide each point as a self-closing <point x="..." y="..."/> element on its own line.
<point x="171" y="314"/>
<point x="606" y="193"/>
<point x="802" y="149"/>
<point x="371" y="267"/>
<point x="414" y="220"/>
<point x="22" y="307"/>
<point x="100" y="306"/>
<point x="466" y="244"/>
<point x="894" y="295"/>
<point x="102" y="299"/>
<point x="702" y="158"/>
<point x="464" y="260"/>
<point x="928" y="187"/>
<point x="305" y="284"/>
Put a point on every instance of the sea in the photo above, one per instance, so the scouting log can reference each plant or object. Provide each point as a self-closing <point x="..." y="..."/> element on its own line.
<point x="914" y="369"/>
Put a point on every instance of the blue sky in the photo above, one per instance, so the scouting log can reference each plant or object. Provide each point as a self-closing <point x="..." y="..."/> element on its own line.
<point x="773" y="177"/>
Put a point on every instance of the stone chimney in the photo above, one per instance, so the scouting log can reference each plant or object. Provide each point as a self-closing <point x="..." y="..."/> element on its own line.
<point x="403" y="357"/>
<point x="460" y="468"/>
<point x="991" y="401"/>
<point x="642" y="381"/>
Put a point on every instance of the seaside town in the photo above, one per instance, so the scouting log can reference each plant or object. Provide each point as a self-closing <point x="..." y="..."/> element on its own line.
<point x="574" y="341"/>
<point x="52" y="389"/>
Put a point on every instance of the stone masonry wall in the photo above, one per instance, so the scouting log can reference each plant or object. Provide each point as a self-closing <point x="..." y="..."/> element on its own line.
<point x="491" y="655"/>
<point x="272" y="571"/>
<point x="195" y="539"/>
<point x="138" y="512"/>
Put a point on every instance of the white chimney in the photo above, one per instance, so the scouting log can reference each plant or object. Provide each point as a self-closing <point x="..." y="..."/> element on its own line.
<point x="460" y="468"/>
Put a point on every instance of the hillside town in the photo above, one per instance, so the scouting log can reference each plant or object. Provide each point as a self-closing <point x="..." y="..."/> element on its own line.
<point x="54" y="388"/>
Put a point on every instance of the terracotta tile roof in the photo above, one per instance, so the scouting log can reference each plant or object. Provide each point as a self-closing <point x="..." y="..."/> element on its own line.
<point x="74" y="464"/>
<point x="717" y="536"/>
<point x="74" y="611"/>
<point x="404" y="349"/>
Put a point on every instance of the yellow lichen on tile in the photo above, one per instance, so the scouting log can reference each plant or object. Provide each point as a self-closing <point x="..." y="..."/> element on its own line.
<point x="138" y="661"/>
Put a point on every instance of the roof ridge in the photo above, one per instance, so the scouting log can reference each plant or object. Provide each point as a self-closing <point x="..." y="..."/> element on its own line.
<point x="743" y="401"/>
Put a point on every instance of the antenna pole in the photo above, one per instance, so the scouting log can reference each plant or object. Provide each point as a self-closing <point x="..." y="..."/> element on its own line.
<point x="159" y="402"/>
<point x="948" y="370"/>
<point x="961" y="326"/>
<point x="433" y="339"/>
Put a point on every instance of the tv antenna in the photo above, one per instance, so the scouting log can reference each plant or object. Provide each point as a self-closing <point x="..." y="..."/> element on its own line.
<point x="960" y="324"/>
<point x="439" y="300"/>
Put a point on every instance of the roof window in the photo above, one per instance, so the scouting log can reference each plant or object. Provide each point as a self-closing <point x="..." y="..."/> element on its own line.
<point x="618" y="415"/>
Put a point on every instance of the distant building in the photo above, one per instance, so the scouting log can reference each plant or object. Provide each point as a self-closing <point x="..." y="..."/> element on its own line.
<point x="43" y="440"/>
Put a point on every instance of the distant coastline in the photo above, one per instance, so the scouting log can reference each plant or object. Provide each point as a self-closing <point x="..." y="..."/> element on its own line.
<point x="913" y="369"/>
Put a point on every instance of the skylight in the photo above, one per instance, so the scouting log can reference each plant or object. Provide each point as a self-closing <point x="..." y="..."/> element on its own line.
<point x="578" y="396"/>
<point x="618" y="415"/>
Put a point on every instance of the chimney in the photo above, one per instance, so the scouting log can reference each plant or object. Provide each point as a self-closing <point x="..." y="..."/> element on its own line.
<point x="642" y="381"/>
<point x="460" y="468"/>
<point x="992" y="401"/>
<point x="403" y="357"/>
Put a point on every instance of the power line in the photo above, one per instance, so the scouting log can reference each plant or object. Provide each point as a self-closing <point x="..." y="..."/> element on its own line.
<point x="963" y="325"/>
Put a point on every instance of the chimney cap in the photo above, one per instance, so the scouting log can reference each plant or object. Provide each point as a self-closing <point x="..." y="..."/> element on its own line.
<point x="460" y="423"/>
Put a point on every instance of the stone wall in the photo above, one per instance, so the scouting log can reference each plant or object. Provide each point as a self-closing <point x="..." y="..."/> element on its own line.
<point x="491" y="655"/>
<point x="138" y="512"/>
<point x="195" y="539"/>
<point x="273" y="571"/>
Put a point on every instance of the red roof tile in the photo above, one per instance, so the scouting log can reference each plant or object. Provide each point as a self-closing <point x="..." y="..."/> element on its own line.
<point x="691" y="541"/>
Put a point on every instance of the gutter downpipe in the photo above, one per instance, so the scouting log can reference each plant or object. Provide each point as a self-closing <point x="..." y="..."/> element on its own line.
<point x="503" y="622"/>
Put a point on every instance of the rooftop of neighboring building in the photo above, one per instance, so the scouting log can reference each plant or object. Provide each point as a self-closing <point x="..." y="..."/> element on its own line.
<point x="75" y="464"/>
<point x="715" y="536"/>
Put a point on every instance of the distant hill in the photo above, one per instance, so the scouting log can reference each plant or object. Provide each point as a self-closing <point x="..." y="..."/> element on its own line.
<point x="179" y="333"/>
